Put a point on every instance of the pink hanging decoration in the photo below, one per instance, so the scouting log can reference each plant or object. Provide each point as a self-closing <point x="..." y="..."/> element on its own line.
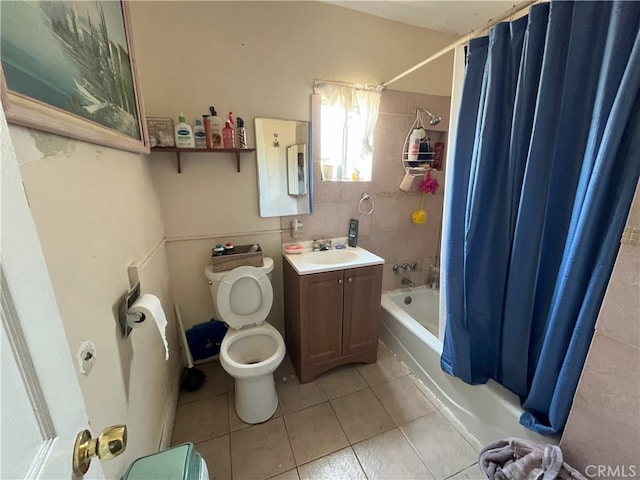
<point x="429" y="185"/>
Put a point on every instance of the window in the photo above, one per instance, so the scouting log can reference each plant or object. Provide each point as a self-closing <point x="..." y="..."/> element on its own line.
<point x="348" y="117"/>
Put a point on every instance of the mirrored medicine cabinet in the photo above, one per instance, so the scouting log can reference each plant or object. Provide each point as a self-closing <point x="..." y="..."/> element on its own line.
<point x="283" y="156"/>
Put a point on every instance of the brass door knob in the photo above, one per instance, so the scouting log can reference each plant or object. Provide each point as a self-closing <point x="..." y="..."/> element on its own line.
<point x="111" y="443"/>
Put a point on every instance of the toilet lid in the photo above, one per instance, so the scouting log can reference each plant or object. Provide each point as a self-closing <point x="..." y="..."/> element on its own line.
<point x="244" y="297"/>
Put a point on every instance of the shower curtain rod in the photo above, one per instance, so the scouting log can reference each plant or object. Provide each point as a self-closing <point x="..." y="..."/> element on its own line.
<point x="514" y="10"/>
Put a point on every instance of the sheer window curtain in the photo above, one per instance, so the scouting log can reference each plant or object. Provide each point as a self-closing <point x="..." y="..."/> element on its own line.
<point x="547" y="159"/>
<point x="360" y="104"/>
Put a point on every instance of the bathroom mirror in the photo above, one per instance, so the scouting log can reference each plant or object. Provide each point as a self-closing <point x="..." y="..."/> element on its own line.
<point x="282" y="148"/>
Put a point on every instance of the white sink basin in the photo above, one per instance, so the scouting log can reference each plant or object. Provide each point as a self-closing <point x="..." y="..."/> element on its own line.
<point x="331" y="257"/>
<point x="336" y="259"/>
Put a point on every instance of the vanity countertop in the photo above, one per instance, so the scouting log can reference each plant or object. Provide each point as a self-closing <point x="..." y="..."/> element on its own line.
<point x="309" y="262"/>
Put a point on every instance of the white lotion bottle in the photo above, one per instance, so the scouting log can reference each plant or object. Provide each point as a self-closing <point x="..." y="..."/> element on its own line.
<point x="414" y="143"/>
<point x="184" y="134"/>
<point x="199" y="136"/>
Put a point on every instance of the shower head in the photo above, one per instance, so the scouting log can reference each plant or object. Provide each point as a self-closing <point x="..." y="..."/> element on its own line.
<point x="433" y="119"/>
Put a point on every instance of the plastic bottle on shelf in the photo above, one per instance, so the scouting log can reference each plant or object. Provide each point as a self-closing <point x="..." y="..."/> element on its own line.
<point x="228" y="136"/>
<point x="207" y="131"/>
<point x="199" y="135"/>
<point x="218" y="250"/>
<point x="414" y="143"/>
<point x="242" y="133"/>
<point x="231" y="119"/>
<point x="184" y="134"/>
<point x="228" y="248"/>
<point x="217" y="124"/>
<point x="426" y="151"/>
<point x="438" y="150"/>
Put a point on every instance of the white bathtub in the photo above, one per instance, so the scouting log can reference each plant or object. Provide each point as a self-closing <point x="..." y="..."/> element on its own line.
<point x="489" y="411"/>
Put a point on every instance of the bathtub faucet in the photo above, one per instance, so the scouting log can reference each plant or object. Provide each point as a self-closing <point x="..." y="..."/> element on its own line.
<point x="407" y="283"/>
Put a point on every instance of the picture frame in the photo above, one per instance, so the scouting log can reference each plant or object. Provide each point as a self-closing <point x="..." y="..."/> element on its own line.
<point x="87" y="108"/>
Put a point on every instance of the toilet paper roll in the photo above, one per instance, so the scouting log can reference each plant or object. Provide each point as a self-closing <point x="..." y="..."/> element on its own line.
<point x="151" y="307"/>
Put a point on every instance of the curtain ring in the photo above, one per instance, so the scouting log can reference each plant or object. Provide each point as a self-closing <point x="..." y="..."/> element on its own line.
<point x="366" y="196"/>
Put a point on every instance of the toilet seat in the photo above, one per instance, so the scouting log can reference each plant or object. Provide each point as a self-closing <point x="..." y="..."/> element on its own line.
<point x="244" y="297"/>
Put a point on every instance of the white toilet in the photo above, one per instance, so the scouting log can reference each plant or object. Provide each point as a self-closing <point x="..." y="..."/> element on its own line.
<point x="252" y="349"/>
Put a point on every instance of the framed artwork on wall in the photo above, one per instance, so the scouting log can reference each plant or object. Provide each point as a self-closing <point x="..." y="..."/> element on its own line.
<point x="68" y="68"/>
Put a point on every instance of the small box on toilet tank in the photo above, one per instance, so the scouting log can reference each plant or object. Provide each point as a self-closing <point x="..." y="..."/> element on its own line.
<point x="244" y="255"/>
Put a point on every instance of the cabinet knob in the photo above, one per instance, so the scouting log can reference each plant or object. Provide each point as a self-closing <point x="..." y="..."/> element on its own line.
<point x="350" y="280"/>
<point x="340" y="281"/>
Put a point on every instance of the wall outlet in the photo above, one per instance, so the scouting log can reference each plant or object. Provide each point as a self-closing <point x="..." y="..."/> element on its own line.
<point x="297" y="229"/>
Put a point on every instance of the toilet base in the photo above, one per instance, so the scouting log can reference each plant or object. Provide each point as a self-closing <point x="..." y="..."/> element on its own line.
<point x="256" y="399"/>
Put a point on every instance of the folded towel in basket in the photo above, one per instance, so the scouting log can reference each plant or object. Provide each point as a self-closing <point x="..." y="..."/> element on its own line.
<point x="520" y="459"/>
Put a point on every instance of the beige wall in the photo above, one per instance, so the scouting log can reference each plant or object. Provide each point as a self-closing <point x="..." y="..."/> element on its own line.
<point x="604" y="424"/>
<point x="259" y="59"/>
<point x="96" y="211"/>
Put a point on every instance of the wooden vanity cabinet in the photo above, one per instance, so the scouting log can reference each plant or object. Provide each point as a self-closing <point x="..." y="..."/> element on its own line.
<point x="331" y="318"/>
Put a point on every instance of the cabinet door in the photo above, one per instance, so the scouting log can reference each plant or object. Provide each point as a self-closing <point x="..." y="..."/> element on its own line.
<point x="362" y="289"/>
<point x="321" y="317"/>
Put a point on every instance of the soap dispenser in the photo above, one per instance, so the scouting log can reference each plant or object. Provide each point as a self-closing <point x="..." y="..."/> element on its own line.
<point x="217" y="124"/>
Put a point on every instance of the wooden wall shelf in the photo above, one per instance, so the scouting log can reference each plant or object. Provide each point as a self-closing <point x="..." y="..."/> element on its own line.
<point x="178" y="151"/>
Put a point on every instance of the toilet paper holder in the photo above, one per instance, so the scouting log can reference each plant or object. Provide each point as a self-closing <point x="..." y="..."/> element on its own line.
<point x="126" y="317"/>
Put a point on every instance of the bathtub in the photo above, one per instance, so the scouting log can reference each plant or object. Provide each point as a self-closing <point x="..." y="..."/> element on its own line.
<point x="409" y="327"/>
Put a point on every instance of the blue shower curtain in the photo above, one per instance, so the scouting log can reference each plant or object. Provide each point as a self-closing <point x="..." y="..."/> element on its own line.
<point x="547" y="159"/>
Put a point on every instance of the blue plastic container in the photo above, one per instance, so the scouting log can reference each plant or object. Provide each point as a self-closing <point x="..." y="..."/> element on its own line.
<point x="204" y="339"/>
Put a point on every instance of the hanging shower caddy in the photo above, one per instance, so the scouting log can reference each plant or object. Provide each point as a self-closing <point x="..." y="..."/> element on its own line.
<point x="417" y="152"/>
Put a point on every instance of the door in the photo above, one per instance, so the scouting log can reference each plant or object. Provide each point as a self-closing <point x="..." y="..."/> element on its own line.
<point x="362" y="289"/>
<point x="321" y="317"/>
<point x="42" y="406"/>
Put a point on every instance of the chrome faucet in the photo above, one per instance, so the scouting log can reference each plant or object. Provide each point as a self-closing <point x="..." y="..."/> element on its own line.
<point x="321" y="245"/>
<point x="407" y="283"/>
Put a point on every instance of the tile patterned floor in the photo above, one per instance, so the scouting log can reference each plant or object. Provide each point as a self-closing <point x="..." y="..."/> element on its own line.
<point x="355" y="422"/>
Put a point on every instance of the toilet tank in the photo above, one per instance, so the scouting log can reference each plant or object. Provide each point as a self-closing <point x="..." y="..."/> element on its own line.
<point x="215" y="278"/>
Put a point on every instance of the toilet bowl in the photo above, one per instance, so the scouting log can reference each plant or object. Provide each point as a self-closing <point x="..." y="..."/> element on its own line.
<point x="252" y="349"/>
